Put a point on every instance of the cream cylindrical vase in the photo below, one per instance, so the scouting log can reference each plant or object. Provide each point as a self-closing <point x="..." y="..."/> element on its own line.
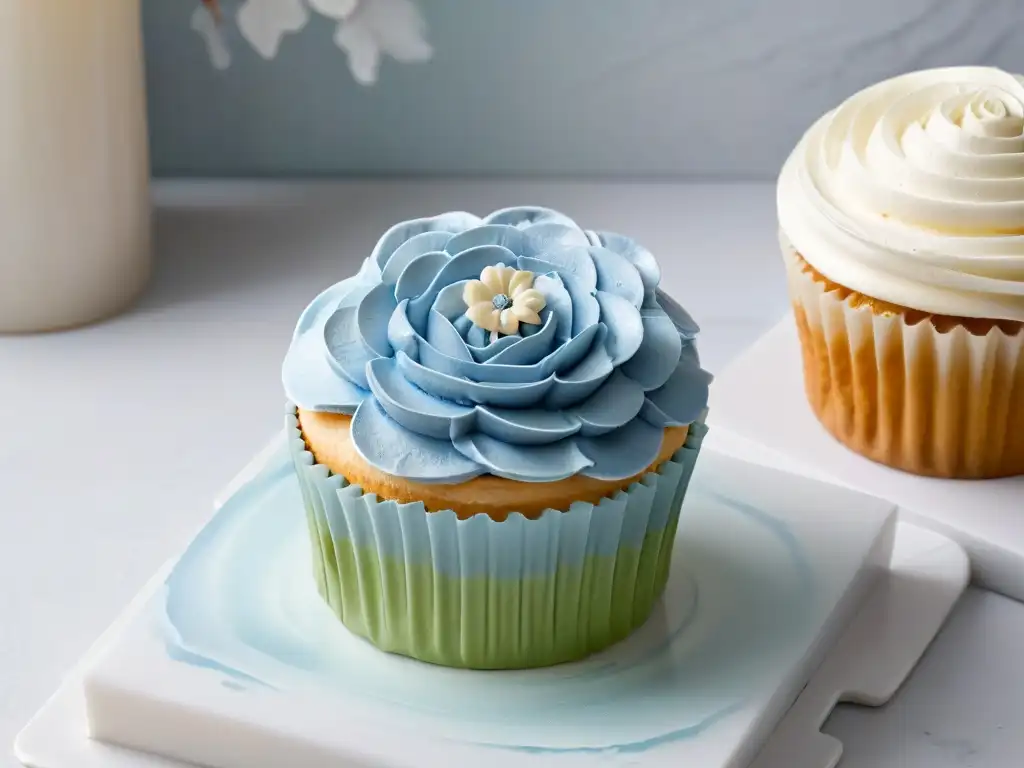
<point x="74" y="162"/>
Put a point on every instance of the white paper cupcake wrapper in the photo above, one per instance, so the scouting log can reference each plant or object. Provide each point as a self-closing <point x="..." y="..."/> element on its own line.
<point x="942" y="403"/>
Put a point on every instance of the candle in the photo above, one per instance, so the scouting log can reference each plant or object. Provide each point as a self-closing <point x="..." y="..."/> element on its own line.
<point x="74" y="162"/>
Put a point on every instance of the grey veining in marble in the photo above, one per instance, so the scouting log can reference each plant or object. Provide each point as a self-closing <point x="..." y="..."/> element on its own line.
<point x="635" y="87"/>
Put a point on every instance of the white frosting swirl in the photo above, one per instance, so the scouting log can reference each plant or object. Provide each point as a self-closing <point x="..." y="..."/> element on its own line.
<point x="912" y="191"/>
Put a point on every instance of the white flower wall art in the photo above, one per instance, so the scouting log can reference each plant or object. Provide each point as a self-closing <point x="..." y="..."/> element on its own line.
<point x="366" y="30"/>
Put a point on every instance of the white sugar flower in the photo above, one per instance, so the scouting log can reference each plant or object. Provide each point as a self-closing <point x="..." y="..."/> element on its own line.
<point x="503" y="298"/>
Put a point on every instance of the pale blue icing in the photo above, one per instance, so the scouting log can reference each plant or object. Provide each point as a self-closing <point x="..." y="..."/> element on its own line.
<point x="588" y="391"/>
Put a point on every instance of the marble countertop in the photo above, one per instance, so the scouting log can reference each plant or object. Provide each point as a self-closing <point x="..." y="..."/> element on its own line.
<point x="118" y="436"/>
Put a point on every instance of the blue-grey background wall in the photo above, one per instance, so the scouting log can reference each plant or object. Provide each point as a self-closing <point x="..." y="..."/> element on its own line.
<point x="577" y="87"/>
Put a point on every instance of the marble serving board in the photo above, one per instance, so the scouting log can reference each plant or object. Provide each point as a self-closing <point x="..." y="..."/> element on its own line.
<point x="770" y="422"/>
<point x="228" y="659"/>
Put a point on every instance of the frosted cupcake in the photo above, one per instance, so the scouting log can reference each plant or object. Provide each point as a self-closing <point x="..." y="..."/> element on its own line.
<point x="902" y="225"/>
<point x="493" y="427"/>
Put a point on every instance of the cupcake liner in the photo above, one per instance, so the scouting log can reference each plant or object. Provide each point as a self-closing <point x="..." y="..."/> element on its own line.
<point x="483" y="594"/>
<point x="942" y="403"/>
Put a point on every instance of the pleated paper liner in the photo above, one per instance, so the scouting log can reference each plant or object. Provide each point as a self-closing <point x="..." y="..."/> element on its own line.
<point x="482" y="594"/>
<point x="932" y="399"/>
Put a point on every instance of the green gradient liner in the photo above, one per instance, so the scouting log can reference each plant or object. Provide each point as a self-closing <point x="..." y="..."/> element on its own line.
<point x="481" y="594"/>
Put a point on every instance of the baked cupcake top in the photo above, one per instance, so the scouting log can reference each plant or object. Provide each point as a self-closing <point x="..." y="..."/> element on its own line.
<point x="517" y="345"/>
<point x="912" y="192"/>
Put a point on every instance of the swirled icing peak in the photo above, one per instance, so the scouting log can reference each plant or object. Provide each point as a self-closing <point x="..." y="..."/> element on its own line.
<point x="518" y="345"/>
<point x="912" y="191"/>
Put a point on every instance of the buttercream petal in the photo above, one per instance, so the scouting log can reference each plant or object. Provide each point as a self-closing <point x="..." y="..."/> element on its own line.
<point x="536" y="265"/>
<point x="579" y="382"/>
<point x="659" y="352"/>
<point x="683" y="397"/>
<point x="418" y="274"/>
<point x="476" y="338"/>
<point x="450" y="303"/>
<point x="557" y="301"/>
<point x="372" y="318"/>
<point x="615" y="274"/>
<point x="486" y="350"/>
<point x="466" y="392"/>
<point x="369" y="272"/>
<point x="476" y="291"/>
<point x="537" y="464"/>
<point x="585" y="310"/>
<point x="487" y="234"/>
<point x="401" y="335"/>
<point x="463" y="325"/>
<point x="546" y="236"/>
<point x="455" y="221"/>
<point x="346" y="351"/>
<point x="686" y="325"/>
<point x="625" y="328"/>
<point x="656" y="417"/>
<point x="526" y="215"/>
<point x="425" y="242"/>
<point x="516" y="426"/>
<point x="624" y="452"/>
<point x="574" y="262"/>
<point x="563" y="358"/>
<point x="642" y="259"/>
<point x="529" y="350"/>
<point x="443" y="337"/>
<point x="616" y="402"/>
<point x="483" y="316"/>
<point x="409" y="405"/>
<point x="392" y="448"/>
<point x="310" y="380"/>
<point x="522" y="280"/>
<point x="577" y="349"/>
<point x="348" y="292"/>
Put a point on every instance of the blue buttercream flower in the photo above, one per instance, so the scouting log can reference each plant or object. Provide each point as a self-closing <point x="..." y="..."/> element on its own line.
<point x="437" y="397"/>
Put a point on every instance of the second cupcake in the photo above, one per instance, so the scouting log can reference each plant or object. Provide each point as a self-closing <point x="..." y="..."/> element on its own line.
<point x="494" y="425"/>
<point x="902" y="227"/>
